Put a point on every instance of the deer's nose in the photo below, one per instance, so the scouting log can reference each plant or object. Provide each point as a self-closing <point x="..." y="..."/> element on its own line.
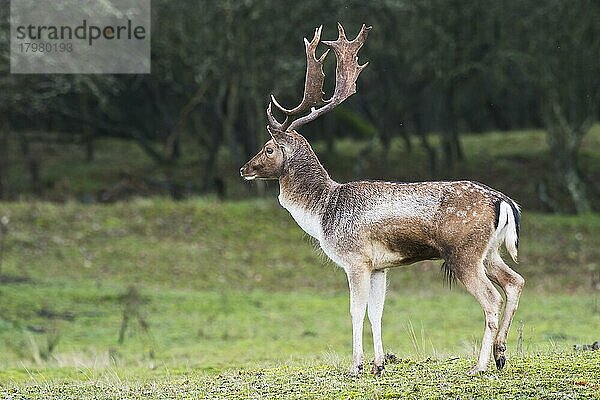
<point x="242" y="170"/>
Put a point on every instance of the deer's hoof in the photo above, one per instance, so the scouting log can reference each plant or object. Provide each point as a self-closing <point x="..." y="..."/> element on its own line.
<point x="355" y="370"/>
<point x="499" y="357"/>
<point x="476" y="370"/>
<point x="377" y="370"/>
<point x="500" y="362"/>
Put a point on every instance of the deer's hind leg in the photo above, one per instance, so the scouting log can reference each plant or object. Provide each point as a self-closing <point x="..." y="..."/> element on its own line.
<point x="471" y="273"/>
<point x="512" y="285"/>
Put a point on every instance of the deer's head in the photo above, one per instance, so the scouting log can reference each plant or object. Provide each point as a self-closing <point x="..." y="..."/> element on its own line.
<point x="287" y="147"/>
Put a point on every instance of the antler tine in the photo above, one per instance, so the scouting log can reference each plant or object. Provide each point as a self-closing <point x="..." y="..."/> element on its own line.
<point x="313" y="83"/>
<point x="273" y="121"/>
<point x="346" y="73"/>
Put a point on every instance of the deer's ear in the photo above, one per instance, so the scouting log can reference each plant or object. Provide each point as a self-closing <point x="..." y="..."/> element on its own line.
<point x="278" y="136"/>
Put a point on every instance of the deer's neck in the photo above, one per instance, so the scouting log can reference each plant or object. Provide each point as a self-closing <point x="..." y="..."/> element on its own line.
<point x="304" y="191"/>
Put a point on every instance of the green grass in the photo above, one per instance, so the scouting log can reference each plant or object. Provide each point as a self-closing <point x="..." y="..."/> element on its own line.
<point x="235" y="301"/>
<point x="230" y="328"/>
<point x="207" y="245"/>
<point x="540" y="376"/>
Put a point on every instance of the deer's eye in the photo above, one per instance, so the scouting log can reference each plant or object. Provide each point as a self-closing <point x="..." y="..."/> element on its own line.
<point x="269" y="150"/>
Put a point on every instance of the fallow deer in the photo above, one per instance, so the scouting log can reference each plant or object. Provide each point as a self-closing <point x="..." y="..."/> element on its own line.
<point x="368" y="227"/>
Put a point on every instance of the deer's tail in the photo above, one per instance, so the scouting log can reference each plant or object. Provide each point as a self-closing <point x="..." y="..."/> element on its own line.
<point x="508" y="224"/>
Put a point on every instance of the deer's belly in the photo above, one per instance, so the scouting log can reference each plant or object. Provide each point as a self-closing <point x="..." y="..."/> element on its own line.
<point x="385" y="256"/>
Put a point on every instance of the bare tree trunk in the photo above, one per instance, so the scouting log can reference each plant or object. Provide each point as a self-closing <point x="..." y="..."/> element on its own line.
<point x="564" y="150"/>
<point x="88" y="131"/>
<point x="247" y="128"/>
<point x="173" y="141"/>
<point x="431" y="152"/>
<point x="450" y="141"/>
<point x="229" y="118"/>
<point x="564" y="141"/>
<point x="147" y="146"/>
<point x="211" y="160"/>
<point x="90" y="149"/>
<point x="329" y="131"/>
<point x="406" y="137"/>
<point x="32" y="165"/>
<point x="3" y="164"/>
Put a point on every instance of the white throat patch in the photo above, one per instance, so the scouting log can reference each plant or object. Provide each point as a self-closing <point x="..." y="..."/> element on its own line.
<point x="310" y="222"/>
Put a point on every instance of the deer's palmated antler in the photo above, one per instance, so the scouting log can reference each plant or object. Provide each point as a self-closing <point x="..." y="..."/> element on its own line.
<point x="313" y="83"/>
<point x="346" y="73"/>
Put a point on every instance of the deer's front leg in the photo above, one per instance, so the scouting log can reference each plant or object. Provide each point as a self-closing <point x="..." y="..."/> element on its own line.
<point x="359" y="282"/>
<point x="375" y="311"/>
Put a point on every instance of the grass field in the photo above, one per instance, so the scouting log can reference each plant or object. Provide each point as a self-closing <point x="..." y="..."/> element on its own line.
<point x="229" y="299"/>
<point x="202" y="298"/>
<point x="539" y="376"/>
